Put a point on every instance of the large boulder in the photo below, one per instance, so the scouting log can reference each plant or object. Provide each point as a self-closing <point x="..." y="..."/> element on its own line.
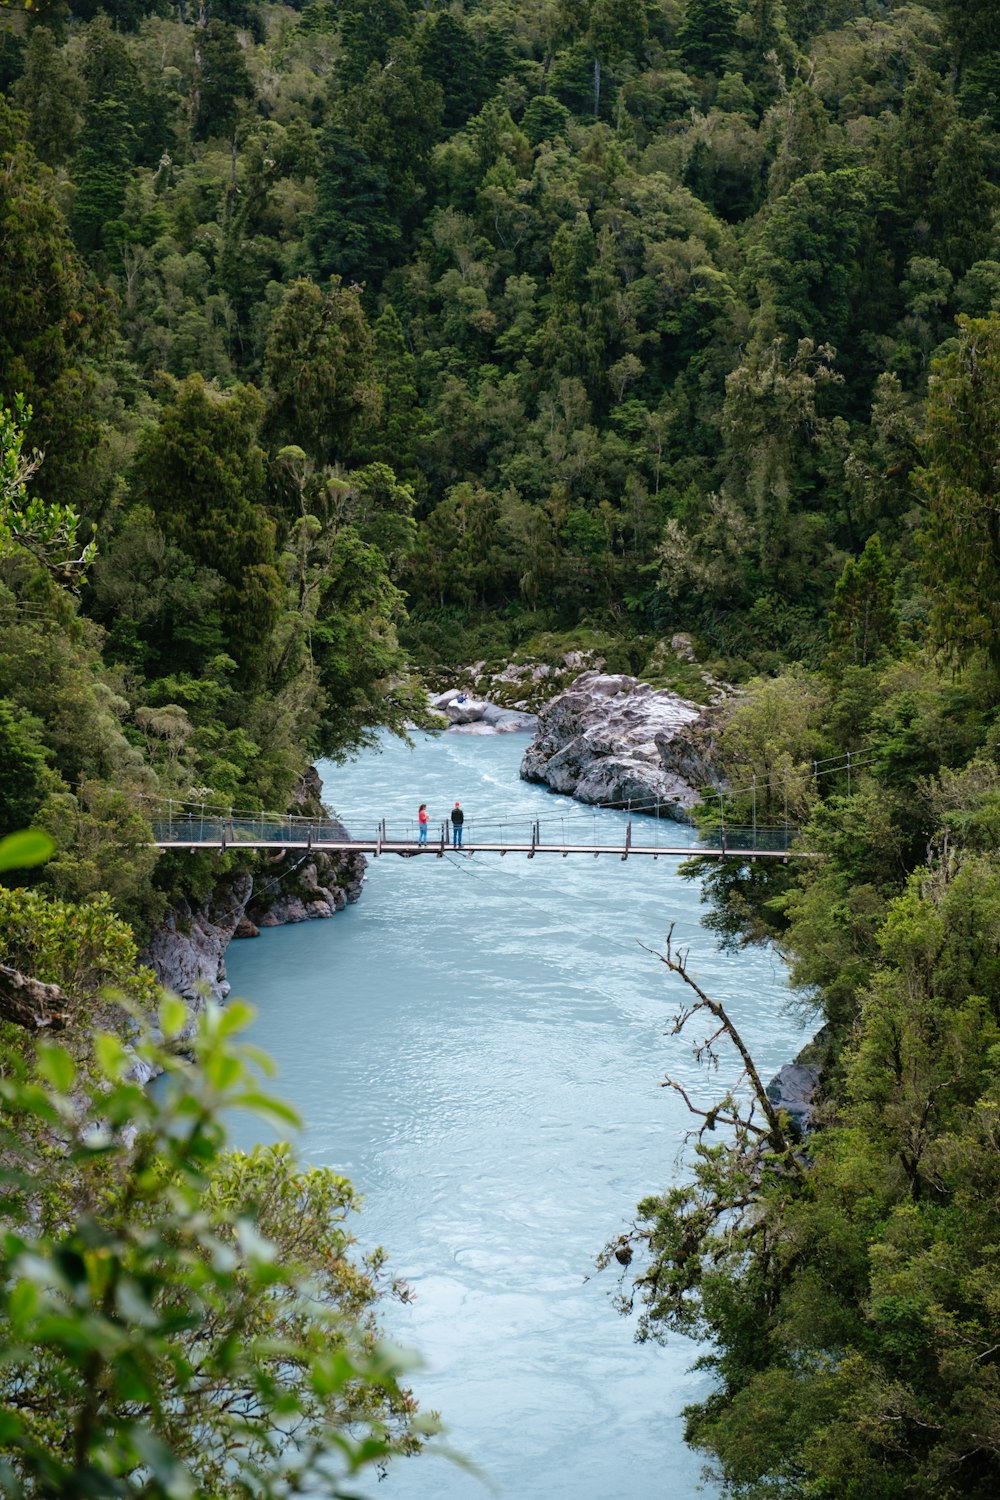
<point x="608" y="740"/>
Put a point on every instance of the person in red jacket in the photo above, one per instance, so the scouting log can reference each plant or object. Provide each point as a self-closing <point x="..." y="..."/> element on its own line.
<point x="422" y="821"/>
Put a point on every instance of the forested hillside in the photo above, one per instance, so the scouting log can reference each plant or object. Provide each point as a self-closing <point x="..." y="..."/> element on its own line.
<point x="343" y="340"/>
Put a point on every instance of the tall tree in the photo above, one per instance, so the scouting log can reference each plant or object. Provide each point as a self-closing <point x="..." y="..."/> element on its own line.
<point x="963" y="201"/>
<point x="318" y="365"/>
<point x="350" y="232"/>
<point x="202" y="473"/>
<point x="102" y="169"/>
<point x="224" y="83"/>
<point x="51" y="94"/>
<point x="960" y="481"/>
<point x="863" y="620"/>
<point x="707" y="34"/>
<point x="49" y="319"/>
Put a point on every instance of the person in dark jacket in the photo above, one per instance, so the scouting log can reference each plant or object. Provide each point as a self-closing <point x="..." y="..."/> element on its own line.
<point x="457" y="819"/>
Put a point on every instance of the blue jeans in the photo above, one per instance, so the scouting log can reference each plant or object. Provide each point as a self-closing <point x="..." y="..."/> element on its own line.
<point x="422" y="837"/>
<point x="456" y="835"/>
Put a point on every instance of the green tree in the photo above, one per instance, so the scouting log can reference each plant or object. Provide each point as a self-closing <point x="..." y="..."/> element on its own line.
<point x="394" y="114"/>
<point x="50" y="327"/>
<point x="707" y="34"/>
<point x="350" y="232"/>
<point x="863" y="621"/>
<point x="360" y="665"/>
<point x="202" y="472"/>
<point x="50" y="93"/>
<point x="223" y="82"/>
<point x="46" y="532"/>
<point x="448" y="54"/>
<point x="367" y="31"/>
<point x="771" y="424"/>
<point x="319" y="369"/>
<point x="102" y="168"/>
<point x="963" y="202"/>
<point x="24" y="759"/>
<point x="183" y="1308"/>
<point x="971" y="27"/>
<point x="805" y="259"/>
<point x="960" y="537"/>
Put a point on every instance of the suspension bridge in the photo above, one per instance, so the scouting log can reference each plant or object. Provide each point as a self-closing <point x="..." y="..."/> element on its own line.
<point x="193" y="830"/>
<point x="578" y="830"/>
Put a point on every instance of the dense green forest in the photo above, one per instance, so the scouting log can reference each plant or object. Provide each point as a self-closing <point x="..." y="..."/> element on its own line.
<point x="341" y="342"/>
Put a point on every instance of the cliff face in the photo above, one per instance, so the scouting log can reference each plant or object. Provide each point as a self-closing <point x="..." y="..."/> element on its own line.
<point x="188" y="949"/>
<point x="612" y="740"/>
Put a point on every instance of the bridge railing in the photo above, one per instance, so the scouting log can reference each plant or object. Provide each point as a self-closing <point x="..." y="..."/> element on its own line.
<point x="591" y="830"/>
<point x="196" y="828"/>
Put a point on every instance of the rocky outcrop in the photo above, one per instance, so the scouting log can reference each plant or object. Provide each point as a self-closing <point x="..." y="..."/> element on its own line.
<point x="797" y="1087"/>
<point x="471" y="715"/>
<point x="187" y="951"/>
<point x="306" y="887"/>
<point x="317" y="886"/>
<point x="614" y="741"/>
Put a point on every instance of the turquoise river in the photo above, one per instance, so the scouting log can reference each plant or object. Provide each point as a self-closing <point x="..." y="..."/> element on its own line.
<point x="479" y="1045"/>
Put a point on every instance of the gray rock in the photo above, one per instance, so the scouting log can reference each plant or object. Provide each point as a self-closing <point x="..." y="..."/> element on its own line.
<point x="508" y="720"/>
<point x="792" y="1089"/>
<point x="187" y="950"/>
<point x="480" y="716"/>
<point x="468" y="712"/>
<point x="319" y="888"/>
<point x="608" y="741"/>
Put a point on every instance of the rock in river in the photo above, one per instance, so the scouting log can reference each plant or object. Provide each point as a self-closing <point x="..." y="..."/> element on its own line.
<point x="612" y="740"/>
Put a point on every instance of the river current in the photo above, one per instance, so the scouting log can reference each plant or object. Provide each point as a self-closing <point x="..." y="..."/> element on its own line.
<point x="478" y="1044"/>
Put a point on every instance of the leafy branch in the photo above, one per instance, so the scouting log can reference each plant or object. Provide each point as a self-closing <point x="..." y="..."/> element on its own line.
<point x="48" y="532"/>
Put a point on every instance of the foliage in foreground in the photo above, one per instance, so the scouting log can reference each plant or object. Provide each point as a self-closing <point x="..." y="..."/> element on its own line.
<point x="177" y="1319"/>
<point x="847" y="1295"/>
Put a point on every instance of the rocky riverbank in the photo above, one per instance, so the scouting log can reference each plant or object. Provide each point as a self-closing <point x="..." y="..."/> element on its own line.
<point x="187" y="950"/>
<point x="612" y="740"/>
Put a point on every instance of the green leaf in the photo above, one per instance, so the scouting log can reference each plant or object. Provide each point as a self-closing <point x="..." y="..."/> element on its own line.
<point x="111" y="1055"/>
<point x="173" y="1016"/>
<point x="237" y="1016"/>
<point x="31" y="846"/>
<point x="56" y="1067"/>
<point x="275" y="1111"/>
<point x="22" y="1303"/>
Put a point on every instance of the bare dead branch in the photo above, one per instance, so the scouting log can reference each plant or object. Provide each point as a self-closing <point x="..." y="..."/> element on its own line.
<point x="714" y="1116"/>
<point x="676" y="962"/>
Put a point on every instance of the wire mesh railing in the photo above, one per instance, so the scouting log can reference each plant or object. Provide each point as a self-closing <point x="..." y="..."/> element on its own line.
<point x="190" y="829"/>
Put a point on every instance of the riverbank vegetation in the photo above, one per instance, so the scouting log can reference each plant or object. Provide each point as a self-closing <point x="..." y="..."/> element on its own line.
<point x="364" y="335"/>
